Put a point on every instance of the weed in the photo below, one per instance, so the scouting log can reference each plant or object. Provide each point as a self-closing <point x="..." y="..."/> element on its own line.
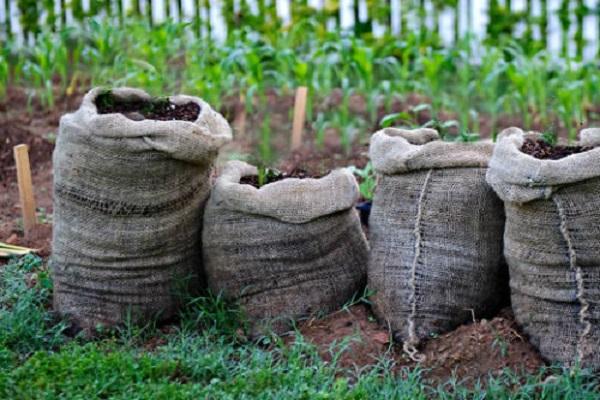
<point x="367" y="180"/>
<point x="500" y="343"/>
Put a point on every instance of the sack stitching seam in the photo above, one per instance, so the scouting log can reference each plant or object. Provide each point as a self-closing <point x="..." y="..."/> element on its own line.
<point x="409" y="345"/>
<point x="583" y="312"/>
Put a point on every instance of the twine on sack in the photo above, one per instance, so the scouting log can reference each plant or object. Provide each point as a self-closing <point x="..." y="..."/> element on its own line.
<point x="583" y="312"/>
<point x="409" y="345"/>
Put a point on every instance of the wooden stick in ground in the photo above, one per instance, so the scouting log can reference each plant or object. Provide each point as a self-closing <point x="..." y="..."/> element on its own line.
<point x="21" y="154"/>
<point x="299" y="116"/>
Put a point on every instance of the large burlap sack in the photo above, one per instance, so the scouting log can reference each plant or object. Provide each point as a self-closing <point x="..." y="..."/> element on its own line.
<point x="287" y="250"/>
<point x="435" y="232"/>
<point x="552" y="245"/>
<point x="128" y="201"/>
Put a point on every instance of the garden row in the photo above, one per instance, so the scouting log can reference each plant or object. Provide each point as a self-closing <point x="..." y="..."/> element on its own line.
<point x="138" y="223"/>
<point x="480" y="88"/>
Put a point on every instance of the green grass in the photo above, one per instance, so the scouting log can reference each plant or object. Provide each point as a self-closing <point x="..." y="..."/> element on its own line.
<point x="207" y="356"/>
<point x="25" y="323"/>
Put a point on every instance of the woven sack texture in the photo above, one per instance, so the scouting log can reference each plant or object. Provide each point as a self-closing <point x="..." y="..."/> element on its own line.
<point x="287" y="250"/>
<point x="435" y="232"/>
<point x="552" y="245"/>
<point x="128" y="202"/>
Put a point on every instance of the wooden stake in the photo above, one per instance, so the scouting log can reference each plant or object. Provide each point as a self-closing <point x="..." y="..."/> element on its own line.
<point x="21" y="153"/>
<point x="299" y="116"/>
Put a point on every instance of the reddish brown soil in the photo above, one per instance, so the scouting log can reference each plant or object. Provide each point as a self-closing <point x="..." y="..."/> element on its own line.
<point x="322" y="160"/>
<point x="38" y="239"/>
<point x="472" y="352"/>
<point x="157" y="109"/>
<point x="545" y="151"/>
<point x="35" y="126"/>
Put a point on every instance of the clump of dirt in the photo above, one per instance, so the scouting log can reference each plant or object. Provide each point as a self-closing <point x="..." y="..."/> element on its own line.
<point x="471" y="352"/>
<point x="479" y="350"/>
<point x="273" y="175"/>
<point x="543" y="150"/>
<point x="160" y="109"/>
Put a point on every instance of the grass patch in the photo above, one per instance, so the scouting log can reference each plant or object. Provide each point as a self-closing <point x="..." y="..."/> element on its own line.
<point x="26" y="324"/>
<point x="207" y="356"/>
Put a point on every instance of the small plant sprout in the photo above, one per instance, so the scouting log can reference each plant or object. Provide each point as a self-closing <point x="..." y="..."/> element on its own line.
<point x="367" y="180"/>
<point x="399" y="119"/>
<point x="549" y="136"/>
<point x="266" y="174"/>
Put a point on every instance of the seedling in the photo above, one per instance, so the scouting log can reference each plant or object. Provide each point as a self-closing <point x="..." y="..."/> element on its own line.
<point x="367" y="180"/>
<point x="265" y="175"/>
<point x="467" y="137"/>
<point x="500" y="343"/>
<point x="549" y="136"/>
<point x="443" y="127"/>
<point x="400" y="118"/>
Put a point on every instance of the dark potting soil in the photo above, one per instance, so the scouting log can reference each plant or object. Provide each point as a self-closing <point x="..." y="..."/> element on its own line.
<point x="273" y="175"/>
<point x="160" y="109"/>
<point x="545" y="151"/>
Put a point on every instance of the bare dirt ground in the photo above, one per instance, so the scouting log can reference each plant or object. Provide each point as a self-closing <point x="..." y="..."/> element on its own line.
<point x="476" y="350"/>
<point x="472" y="352"/>
<point x="20" y="124"/>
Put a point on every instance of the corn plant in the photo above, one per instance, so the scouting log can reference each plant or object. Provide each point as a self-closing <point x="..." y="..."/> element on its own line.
<point x="465" y="88"/>
<point x="403" y="119"/>
<point x="7" y="20"/>
<point x="518" y="77"/>
<point x="432" y="66"/>
<point x="488" y="85"/>
<point x="50" y="14"/>
<point x="4" y="72"/>
<point x="570" y="108"/>
<point x="320" y="125"/>
<point x="264" y="146"/>
<point x="49" y="57"/>
<point x="29" y="17"/>
<point x="77" y="10"/>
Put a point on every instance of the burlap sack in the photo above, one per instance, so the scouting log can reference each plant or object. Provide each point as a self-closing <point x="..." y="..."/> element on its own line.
<point x="435" y="232"/>
<point x="552" y="245"/>
<point x="287" y="250"/>
<point x="128" y="201"/>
